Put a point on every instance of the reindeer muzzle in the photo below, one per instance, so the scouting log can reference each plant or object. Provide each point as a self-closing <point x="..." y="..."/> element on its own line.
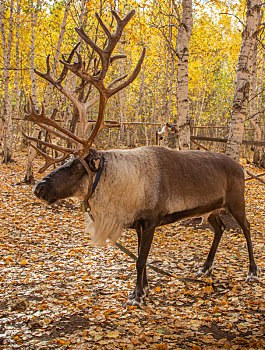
<point x="44" y="191"/>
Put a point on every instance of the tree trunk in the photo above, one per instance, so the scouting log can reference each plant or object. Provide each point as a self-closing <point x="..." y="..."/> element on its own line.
<point x="79" y="116"/>
<point x="242" y="83"/>
<point x="48" y="92"/>
<point x="17" y="94"/>
<point x="254" y="116"/>
<point x="29" y="177"/>
<point x="139" y="105"/>
<point x="183" y="38"/>
<point x="7" y="37"/>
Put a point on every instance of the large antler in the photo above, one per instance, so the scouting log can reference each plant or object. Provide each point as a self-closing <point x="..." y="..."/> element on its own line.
<point x="106" y="59"/>
<point x="96" y="79"/>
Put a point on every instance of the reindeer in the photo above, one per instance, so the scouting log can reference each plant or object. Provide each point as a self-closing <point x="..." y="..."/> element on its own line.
<point x="140" y="188"/>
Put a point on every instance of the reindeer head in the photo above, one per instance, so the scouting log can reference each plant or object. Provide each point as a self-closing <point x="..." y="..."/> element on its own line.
<point x="73" y="179"/>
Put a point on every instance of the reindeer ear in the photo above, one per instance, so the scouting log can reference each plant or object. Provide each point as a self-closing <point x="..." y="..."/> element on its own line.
<point x="94" y="164"/>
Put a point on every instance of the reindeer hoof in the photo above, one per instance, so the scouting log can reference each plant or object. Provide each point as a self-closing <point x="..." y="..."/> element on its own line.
<point x="135" y="299"/>
<point x="132" y="302"/>
<point x="204" y="272"/>
<point x="253" y="277"/>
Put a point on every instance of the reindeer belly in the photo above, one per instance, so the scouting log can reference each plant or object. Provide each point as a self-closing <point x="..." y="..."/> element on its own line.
<point x="196" y="211"/>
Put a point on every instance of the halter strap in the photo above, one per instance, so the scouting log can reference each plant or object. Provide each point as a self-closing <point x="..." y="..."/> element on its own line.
<point x="84" y="163"/>
<point x="99" y="172"/>
<point x="92" y="184"/>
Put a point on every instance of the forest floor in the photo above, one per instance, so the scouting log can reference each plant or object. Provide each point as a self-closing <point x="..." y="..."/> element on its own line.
<point x="58" y="291"/>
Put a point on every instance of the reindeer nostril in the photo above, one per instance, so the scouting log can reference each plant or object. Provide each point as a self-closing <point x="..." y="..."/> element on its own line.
<point x="39" y="189"/>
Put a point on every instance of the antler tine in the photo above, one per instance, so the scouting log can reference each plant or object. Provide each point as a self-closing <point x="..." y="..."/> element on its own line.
<point x="107" y="32"/>
<point x="121" y="22"/>
<point x="33" y="109"/>
<point x="46" y="75"/>
<point x="26" y="108"/>
<point x="48" y="160"/>
<point x="131" y="78"/>
<point x="115" y="81"/>
<point x="61" y="136"/>
<point x="48" y="144"/>
<point x="117" y="57"/>
<point x="30" y="110"/>
<point x="89" y="41"/>
<point x="41" y="119"/>
<point x="68" y="60"/>
<point x="76" y="67"/>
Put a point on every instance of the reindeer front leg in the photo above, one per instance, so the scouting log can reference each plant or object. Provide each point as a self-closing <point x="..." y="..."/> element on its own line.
<point x="218" y="226"/>
<point x="145" y="237"/>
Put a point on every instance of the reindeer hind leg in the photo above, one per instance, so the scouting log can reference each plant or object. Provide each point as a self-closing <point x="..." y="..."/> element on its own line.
<point x="239" y="214"/>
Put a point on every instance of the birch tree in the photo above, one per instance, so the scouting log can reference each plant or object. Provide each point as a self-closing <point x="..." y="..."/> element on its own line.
<point x="17" y="58"/>
<point x="253" y="110"/>
<point x="169" y="74"/>
<point x="48" y="92"/>
<point x="29" y="178"/>
<point x="243" y="77"/>
<point x="183" y="39"/>
<point x="7" y="41"/>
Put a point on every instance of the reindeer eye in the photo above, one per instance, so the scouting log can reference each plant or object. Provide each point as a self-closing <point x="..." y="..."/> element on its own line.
<point x="77" y="166"/>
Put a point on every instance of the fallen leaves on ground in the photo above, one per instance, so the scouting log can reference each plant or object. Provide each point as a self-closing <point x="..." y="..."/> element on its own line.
<point x="59" y="291"/>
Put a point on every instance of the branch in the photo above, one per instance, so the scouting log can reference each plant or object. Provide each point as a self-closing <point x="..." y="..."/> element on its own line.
<point x="158" y="270"/>
<point x="255" y="177"/>
<point x="231" y="14"/>
<point x="131" y="78"/>
<point x="253" y="115"/>
<point x="176" y="10"/>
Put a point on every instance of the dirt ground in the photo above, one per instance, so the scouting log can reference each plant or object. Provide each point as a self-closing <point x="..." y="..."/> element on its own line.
<point x="58" y="291"/>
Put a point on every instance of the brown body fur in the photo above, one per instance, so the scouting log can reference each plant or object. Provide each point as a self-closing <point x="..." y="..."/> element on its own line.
<point x="163" y="186"/>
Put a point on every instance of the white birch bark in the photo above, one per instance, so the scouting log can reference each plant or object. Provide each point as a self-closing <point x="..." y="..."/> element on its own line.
<point x="48" y="92"/>
<point x="34" y="18"/>
<point x="242" y="83"/>
<point x="121" y="98"/>
<point x="3" y="37"/>
<point x="165" y="116"/>
<point x="17" y="58"/>
<point x="253" y="110"/>
<point x="170" y="71"/>
<point x="29" y="178"/>
<point x="139" y="104"/>
<point x="7" y="38"/>
<point x="80" y="113"/>
<point x="183" y="39"/>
